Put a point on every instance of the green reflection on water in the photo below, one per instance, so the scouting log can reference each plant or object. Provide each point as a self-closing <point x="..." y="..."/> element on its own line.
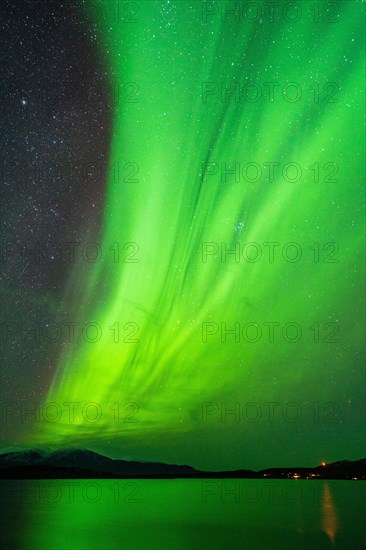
<point x="184" y="514"/>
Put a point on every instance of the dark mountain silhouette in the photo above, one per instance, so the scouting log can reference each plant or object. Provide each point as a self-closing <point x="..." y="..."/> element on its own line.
<point x="82" y="463"/>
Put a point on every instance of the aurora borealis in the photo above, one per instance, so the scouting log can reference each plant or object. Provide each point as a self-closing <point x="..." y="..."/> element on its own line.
<point x="238" y="205"/>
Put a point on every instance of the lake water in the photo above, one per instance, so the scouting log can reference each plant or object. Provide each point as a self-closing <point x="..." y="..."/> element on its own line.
<point x="182" y="514"/>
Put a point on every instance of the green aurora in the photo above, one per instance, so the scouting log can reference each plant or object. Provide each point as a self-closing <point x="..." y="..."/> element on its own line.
<point x="177" y="126"/>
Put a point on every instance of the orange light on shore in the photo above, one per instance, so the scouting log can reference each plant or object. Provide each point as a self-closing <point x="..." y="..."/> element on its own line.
<point x="323" y="464"/>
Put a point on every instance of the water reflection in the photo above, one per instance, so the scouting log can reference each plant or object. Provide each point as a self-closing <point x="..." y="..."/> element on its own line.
<point x="329" y="513"/>
<point x="174" y="515"/>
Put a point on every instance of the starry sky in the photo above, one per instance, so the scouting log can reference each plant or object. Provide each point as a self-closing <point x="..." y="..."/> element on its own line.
<point x="162" y="136"/>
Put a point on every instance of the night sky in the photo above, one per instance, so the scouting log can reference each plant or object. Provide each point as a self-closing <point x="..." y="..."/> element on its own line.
<point x="180" y="172"/>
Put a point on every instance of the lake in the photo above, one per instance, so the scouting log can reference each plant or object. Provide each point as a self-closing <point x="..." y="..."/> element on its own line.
<point x="182" y="514"/>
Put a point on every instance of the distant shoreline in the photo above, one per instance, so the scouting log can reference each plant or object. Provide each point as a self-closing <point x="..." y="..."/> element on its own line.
<point x="84" y="464"/>
<point x="34" y="472"/>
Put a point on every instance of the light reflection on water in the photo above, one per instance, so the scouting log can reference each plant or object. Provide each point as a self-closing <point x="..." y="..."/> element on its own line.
<point x="182" y="514"/>
<point x="329" y="513"/>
